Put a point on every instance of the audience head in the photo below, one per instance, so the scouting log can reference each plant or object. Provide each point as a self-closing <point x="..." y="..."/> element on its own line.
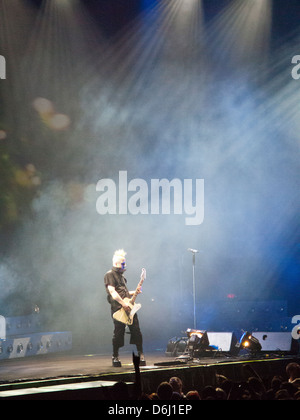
<point x="164" y="391"/>
<point x="176" y="384"/>
<point x="293" y="371"/>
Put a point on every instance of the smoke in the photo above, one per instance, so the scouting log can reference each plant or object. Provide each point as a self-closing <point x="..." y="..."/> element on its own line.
<point x="156" y="114"/>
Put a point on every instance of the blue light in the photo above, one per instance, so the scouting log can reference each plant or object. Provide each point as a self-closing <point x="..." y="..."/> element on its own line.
<point x="147" y="4"/>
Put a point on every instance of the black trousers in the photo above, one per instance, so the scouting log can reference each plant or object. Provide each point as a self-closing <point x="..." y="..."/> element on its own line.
<point x="135" y="335"/>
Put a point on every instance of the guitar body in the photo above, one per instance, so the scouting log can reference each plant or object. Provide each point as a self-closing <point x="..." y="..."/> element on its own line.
<point x="127" y="318"/>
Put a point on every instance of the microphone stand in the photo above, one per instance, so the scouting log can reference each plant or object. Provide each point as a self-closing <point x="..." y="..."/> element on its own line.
<point x="194" y="251"/>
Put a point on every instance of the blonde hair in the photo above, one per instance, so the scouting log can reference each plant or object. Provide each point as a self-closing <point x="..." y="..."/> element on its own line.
<point x="118" y="257"/>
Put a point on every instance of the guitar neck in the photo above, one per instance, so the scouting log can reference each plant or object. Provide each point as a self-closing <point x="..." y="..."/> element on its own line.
<point x="132" y="300"/>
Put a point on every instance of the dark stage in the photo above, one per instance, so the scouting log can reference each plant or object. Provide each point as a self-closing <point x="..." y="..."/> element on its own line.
<point x="66" y="376"/>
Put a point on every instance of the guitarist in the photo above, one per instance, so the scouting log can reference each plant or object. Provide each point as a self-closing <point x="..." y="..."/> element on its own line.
<point x="116" y="288"/>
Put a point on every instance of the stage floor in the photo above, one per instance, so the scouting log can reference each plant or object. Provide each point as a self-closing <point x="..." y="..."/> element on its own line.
<point x="63" y="374"/>
<point x="53" y="366"/>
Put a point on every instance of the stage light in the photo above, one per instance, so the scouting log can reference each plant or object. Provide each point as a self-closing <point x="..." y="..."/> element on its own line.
<point x="43" y="106"/>
<point x="197" y="342"/>
<point x="59" y="122"/>
<point x="243" y="31"/>
<point x="20" y="348"/>
<point x="40" y="345"/>
<point x="248" y="342"/>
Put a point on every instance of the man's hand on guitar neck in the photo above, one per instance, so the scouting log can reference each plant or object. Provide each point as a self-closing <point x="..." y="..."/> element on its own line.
<point x="137" y="291"/>
<point x="139" y="288"/>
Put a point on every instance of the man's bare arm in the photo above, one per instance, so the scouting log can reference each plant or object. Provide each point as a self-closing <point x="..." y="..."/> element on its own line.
<point x="115" y="295"/>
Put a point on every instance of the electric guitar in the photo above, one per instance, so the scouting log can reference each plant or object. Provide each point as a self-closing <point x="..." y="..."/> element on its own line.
<point x="127" y="317"/>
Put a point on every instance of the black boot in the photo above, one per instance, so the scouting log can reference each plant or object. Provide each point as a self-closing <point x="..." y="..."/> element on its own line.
<point x="116" y="362"/>
<point x="142" y="359"/>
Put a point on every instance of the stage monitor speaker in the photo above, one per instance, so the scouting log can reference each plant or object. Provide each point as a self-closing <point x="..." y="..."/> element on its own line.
<point x="223" y="341"/>
<point x="35" y="344"/>
<point x="277" y="342"/>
